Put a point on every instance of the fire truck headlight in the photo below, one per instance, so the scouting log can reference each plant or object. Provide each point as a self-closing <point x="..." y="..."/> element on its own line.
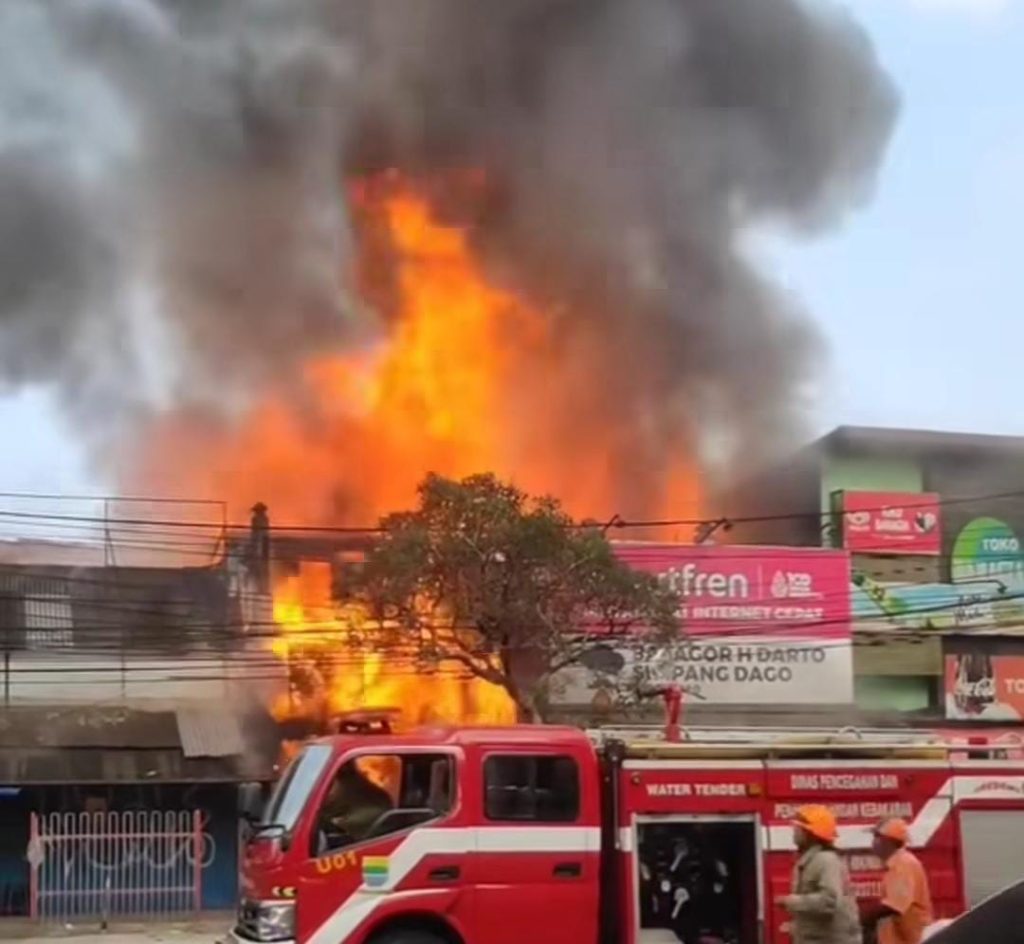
<point x="276" y="921"/>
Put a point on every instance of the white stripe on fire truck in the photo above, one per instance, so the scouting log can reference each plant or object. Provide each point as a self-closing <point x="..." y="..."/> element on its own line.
<point x="925" y="825"/>
<point x="993" y="786"/>
<point x="692" y="765"/>
<point x="929" y="818"/>
<point x="855" y="837"/>
<point x="356" y="909"/>
<point x="861" y="764"/>
<point x="452" y="841"/>
<point x="457" y="841"/>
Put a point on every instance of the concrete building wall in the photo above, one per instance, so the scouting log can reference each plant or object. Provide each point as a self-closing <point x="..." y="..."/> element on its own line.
<point x="868" y="474"/>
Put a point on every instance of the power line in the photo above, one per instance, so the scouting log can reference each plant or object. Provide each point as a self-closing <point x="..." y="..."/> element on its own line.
<point x="823" y="516"/>
<point x="200" y="630"/>
<point x="136" y="598"/>
<point x="749" y="636"/>
<point x="133" y="603"/>
<point x="281" y="671"/>
<point x="203" y="628"/>
<point x="615" y="522"/>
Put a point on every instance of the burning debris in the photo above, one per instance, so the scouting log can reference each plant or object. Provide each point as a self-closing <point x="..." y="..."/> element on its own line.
<point x="339" y="659"/>
<point x="306" y="251"/>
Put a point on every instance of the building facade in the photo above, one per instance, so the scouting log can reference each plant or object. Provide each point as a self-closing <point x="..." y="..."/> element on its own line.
<point x="932" y="523"/>
<point x="128" y="695"/>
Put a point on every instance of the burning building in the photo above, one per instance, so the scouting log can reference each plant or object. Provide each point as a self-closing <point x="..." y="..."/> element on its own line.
<point x="336" y="659"/>
<point x="320" y="249"/>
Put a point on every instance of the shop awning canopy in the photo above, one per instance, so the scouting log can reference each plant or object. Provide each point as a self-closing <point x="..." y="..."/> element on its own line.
<point x="55" y="745"/>
<point x="28" y="767"/>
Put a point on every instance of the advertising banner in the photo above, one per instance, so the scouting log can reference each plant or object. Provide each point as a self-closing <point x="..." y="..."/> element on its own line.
<point x="760" y="626"/>
<point x="789" y="592"/>
<point x="934" y="606"/>
<point x="891" y="523"/>
<point x="984" y="687"/>
<point x="987" y="551"/>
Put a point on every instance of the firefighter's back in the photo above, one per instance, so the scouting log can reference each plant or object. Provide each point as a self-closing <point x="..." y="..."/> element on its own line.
<point x="821" y="877"/>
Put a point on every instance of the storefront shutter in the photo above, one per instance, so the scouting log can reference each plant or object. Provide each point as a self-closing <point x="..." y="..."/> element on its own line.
<point x="993" y="851"/>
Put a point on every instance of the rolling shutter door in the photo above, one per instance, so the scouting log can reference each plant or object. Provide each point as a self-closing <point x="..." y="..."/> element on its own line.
<point x="993" y="851"/>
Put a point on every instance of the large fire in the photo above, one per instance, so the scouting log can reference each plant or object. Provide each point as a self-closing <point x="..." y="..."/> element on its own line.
<point x="338" y="664"/>
<point x="466" y="375"/>
<point x="470" y="376"/>
<point x="418" y="403"/>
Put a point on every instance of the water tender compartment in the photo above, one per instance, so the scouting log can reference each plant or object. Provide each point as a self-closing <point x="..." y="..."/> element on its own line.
<point x="699" y="880"/>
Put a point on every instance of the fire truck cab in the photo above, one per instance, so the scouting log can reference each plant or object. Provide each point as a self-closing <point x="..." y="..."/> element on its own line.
<point x="543" y="833"/>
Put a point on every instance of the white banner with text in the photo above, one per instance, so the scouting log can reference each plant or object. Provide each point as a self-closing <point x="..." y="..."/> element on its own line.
<point x="742" y="670"/>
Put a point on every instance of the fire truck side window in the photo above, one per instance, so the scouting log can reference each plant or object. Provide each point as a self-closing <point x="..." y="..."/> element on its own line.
<point x="374" y="795"/>
<point x="520" y="787"/>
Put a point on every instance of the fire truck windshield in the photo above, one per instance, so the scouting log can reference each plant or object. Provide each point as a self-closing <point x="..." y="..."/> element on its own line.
<point x="293" y="789"/>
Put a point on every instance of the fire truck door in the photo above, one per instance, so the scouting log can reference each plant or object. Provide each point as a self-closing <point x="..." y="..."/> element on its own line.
<point x="536" y="868"/>
<point x="384" y="825"/>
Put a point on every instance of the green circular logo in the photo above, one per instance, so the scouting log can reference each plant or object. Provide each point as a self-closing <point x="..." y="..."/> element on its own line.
<point x="987" y="549"/>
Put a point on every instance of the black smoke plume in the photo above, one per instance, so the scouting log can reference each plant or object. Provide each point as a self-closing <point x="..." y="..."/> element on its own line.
<point x="175" y="231"/>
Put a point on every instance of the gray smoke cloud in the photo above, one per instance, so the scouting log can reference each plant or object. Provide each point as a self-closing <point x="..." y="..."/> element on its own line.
<point x="173" y="219"/>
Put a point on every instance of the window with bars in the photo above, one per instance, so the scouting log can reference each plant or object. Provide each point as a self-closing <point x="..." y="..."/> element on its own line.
<point x="48" y="620"/>
<point x="35" y="613"/>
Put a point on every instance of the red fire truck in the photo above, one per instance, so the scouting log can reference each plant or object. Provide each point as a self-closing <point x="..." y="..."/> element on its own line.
<point x="544" y="834"/>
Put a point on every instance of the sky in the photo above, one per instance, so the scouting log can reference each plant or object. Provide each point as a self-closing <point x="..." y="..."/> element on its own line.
<point x="920" y="294"/>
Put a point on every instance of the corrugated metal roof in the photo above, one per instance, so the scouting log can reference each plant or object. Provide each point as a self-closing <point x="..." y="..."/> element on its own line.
<point x="205" y="732"/>
<point x="125" y="745"/>
<point x="88" y="727"/>
<point x="77" y="766"/>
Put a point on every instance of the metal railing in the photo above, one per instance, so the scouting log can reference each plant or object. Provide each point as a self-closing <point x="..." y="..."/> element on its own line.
<point x="966" y="745"/>
<point x="104" y="865"/>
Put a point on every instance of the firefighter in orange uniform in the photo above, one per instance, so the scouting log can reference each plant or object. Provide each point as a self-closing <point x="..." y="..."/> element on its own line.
<point x="906" y="906"/>
<point x="822" y="906"/>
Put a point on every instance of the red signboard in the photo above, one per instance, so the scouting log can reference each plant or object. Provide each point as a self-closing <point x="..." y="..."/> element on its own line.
<point x="727" y="590"/>
<point x="984" y="687"/>
<point x="891" y="523"/>
<point x="761" y="625"/>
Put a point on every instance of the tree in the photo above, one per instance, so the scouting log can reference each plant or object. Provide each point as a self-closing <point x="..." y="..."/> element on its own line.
<point x="507" y="586"/>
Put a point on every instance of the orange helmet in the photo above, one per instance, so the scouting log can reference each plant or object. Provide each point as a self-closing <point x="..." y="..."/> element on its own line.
<point x="895" y="829"/>
<point x="819" y="821"/>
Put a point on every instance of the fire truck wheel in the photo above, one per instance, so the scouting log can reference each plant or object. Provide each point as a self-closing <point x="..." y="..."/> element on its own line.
<point x="408" y="936"/>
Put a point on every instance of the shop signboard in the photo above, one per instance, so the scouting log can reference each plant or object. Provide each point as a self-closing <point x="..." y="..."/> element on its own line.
<point x="984" y="686"/>
<point x="988" y="552"/>
<point x="760" y="626"/>
<point x="987" y="589"/>
<point x="891" y="523"/>
<point x="934" y="606"/>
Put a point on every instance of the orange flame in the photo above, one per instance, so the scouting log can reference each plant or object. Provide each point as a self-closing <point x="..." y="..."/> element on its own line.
<point x="464" y="381"/>
<point x="344" y="665"/>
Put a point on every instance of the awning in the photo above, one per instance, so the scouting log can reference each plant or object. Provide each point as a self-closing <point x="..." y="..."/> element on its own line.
<point x="75" y="745"/>
<point x="87" y="726"/>
<point x="28" y="767"/>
